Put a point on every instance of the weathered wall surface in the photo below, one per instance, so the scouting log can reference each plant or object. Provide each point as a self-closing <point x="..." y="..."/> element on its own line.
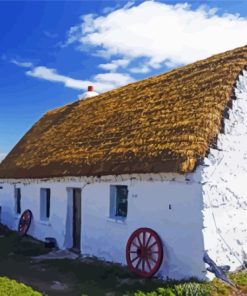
<point x="224" y="179"/>
<point x="180" y="227"/>
<point x="170" y="206"/>
<point x="30" y="199"/>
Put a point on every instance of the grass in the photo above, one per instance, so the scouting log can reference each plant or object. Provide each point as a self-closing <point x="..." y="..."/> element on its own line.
<point x="90" y="276"/>
<point x="9" y="287"/>
<point x="240" y="279"/>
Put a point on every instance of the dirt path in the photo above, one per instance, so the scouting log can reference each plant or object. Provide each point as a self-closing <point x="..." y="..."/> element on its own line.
<point x="37" y="275"/>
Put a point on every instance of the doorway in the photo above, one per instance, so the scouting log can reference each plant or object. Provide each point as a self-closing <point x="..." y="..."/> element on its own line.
<point x="76" y="231"/>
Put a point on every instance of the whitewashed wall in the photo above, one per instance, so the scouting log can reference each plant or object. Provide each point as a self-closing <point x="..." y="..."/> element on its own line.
<point x="30" y="199"/>
<point x="180" y="227"/>
<point x="224" y="182"/>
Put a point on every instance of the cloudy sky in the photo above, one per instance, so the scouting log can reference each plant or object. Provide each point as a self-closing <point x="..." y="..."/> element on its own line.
<point x="50" y="51"/>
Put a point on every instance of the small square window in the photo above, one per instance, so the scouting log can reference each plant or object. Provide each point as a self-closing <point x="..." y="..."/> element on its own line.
<point x="118" y="201"/>
<point x="18" y="200"/>
<point x="45" y="199"/>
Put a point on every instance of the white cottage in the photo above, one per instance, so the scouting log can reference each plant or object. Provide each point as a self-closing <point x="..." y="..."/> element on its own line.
<point x="152" y="174"/>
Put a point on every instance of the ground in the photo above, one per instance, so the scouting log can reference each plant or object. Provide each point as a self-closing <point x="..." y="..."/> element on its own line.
<point x="89" y="276"/>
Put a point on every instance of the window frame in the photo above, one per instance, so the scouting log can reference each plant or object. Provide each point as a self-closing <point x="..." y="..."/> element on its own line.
<point x="17" y="201"/>
<point x="45" y="204"/>
<point x="114" y="210"/>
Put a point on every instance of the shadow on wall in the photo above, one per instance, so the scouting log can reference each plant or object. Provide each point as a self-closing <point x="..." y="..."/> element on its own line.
<point x="53" y="228"/>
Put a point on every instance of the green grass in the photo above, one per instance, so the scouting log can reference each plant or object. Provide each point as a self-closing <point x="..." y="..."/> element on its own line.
<point x="239" y="278"/>
<point x="176" y="289"/>
<point x="214" y="288"/>
<point x="12" y="288"/>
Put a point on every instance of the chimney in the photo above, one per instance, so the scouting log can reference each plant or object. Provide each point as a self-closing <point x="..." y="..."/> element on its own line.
<point x="90" y="93"/>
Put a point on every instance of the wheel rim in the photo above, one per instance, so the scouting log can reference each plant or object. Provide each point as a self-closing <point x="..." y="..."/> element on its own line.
<point x="144" y="252"/>
<point x="25" y="222"/>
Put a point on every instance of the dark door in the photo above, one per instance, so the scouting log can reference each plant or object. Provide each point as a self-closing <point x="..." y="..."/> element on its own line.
<point x="77" y="219"/>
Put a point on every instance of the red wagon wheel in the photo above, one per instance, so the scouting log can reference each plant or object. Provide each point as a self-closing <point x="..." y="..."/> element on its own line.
<point x="25" y="222"/>
<point x="144" y="252"/>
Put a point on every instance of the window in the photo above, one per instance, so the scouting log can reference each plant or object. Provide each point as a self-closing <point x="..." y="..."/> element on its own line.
<point x="45" y="196"/>
<point x="18" y="200"/>
<point x="118" y="201"/>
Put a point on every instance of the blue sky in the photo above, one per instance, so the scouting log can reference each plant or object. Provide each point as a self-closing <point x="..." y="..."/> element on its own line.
<point x="51" y="50"/>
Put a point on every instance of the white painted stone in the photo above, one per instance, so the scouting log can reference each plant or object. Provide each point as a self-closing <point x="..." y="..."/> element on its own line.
<point x="224" y="187"/>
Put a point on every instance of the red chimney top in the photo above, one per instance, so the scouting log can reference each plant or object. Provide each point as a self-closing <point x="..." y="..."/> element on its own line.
<point x="90" y="88"/>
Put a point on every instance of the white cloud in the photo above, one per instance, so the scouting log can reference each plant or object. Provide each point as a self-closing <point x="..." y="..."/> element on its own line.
<point x="129" y="4"/>
<point x="21" y="64"/>
<point x="163" y="34"/>
<point x="51" y="75"/>
<point x="141" y="69"/>
<point x="108" y="9"/>
<point x="115" y="79"/>
<point x="108" y="66"/>
<point x="101" y="82"/>
<point x="114" y="65"/>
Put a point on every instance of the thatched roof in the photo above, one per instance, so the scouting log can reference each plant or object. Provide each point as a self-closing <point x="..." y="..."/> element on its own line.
<point x="161" y="124"/>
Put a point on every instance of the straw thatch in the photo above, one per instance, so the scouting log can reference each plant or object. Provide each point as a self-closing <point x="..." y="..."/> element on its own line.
<point x="161" y="124"/>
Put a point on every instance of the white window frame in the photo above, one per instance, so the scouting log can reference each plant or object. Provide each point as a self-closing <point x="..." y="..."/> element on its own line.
<point x="44" y="214"/>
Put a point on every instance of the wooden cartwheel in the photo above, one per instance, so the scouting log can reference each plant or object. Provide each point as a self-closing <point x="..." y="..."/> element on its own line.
<point x="144" y="252"/>
<point x="25" y="222"/>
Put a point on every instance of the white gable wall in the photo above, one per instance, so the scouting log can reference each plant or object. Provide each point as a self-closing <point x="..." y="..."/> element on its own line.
<point x="224" y="182"/>
<point x="172" y="207"/>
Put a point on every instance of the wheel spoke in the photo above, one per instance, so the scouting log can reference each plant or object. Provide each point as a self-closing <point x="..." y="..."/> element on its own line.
<point x="133" y="260"/>
<point x="153" y="244"/>
<point x="133" y="243"/>
<point x="152" y="259"/>
<point x="139" y="240"/>
<point x="143" y="264"/>
<point x="144" y="238"/>
<point x="149" y="266"/>
<point x="148" y="241"/>
<point x="138" y="263"/>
